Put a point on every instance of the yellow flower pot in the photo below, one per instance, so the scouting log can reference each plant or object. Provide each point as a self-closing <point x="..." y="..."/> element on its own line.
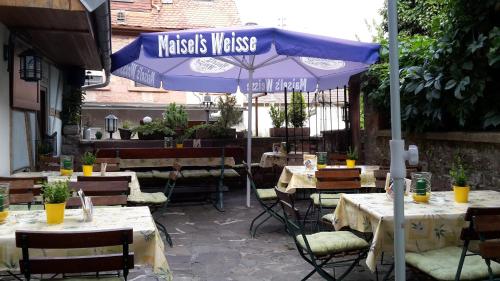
<point x="179" y="145"/>
<point x="66" y="172"/>
<point x="87" y="170"/>
<point x="461" y="193"/>
<point x="55" y="212"/>
<point x="3" y="216"/>
<point x="350" y="163"/>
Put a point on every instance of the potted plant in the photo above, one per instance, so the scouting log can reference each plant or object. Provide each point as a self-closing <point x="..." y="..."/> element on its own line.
<point x="125" y="130"/>
<point x="71" y="110"/>
<point x="154" y="130"/>
<point x="98" y="135"/>
<point x="352" y="156"/>
<point x="175" y="117"/>
<point x="297" y="117"/>
<point x="277" y="118"/>
<point x="459" y="181"/>
<point x="179" y="142"/>
<point x="55" y="195"/>
<point x="88" y="161"/>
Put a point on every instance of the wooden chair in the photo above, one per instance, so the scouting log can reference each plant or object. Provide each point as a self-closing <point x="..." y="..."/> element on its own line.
<point x="320" y="248"/>
<point x="330" y="183"/>
<point x="112" y="200"/>
<point x="105" y="178"/>
<point x="268" y="200"/>
<point x="380" y="178"/>
<point x="458" y="263"/>
<point x="337" y="158"/>
<point x="100" y="188"/>
<point x="71" y="240"/>
<point x="36" y="186"/>
<point x="113" y="164"/>
<point x="20" y="191"/>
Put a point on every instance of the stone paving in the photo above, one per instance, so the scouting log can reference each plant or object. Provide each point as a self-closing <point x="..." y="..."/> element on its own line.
<point x="214" y="246"/>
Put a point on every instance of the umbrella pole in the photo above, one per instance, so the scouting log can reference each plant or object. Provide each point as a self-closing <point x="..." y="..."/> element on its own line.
<point x="398" y="169"/>
<point x="249" y="131"/>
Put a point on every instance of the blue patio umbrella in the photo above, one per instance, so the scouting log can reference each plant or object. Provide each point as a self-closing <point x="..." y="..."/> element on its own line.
<point x="251" y="59"/>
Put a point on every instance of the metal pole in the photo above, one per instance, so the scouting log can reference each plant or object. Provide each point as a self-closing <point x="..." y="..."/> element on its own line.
<point x="257" y="116"/>
<point x="397" y="146"/>
<point x="249" y="135"/>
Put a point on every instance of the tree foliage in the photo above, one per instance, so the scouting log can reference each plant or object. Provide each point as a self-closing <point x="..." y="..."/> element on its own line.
<point x="297" y="111"/>
<point x="449" y="77"/>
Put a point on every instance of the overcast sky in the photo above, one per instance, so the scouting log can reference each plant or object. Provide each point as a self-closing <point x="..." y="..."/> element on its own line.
<point x="337" y="18"/>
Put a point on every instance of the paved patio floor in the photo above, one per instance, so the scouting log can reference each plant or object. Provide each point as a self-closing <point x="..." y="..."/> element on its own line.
<point x="214" y="246"/>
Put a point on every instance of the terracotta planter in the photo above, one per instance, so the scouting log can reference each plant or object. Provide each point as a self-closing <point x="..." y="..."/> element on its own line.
<point x="125" y="134"/>
<point x="281" y="132"/>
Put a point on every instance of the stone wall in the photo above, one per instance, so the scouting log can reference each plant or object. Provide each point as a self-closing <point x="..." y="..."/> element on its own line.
<point x="480" y="151"/>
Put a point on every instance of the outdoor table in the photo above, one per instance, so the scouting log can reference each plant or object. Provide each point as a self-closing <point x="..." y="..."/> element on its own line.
<point x="271" y="159"/>
<point x="296" y="177"/>
<point x="148" y="246"/>
<point x="428" y="226"/>
<point x="135" y="188"/>
<point x="183" y="162"/>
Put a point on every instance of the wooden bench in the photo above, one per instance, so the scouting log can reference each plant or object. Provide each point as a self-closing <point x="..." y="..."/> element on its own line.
<point x="204" y="170"/>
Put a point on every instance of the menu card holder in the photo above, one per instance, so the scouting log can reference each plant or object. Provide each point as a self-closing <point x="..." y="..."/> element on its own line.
<point x="103" y="169"/>
<point x="87" y="207"/>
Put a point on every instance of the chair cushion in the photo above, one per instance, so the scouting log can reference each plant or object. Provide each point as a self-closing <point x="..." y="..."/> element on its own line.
<point x="442" y="264"/>
<point x="229" y="173"/>
<point x="324" y="243"/>
<point x="241" y="166"/>
<point x="267" y="193"/>
<point x="146" y="198"/>
<point x="327" y="200"/>
<point x="202" y="173"/>
<point x="328" y="217"/>
<point x="144" y="175"/>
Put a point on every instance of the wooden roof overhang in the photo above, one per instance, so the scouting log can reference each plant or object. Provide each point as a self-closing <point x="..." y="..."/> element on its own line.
<point x="62" y="30"/>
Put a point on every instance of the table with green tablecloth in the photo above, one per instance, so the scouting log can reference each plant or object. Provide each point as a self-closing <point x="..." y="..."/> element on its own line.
<point x="428" y="226"/>
<point x="148" y="246"/>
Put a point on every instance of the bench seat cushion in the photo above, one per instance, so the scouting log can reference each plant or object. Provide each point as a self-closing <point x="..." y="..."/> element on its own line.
<point x="331" y="242"/>
<point x="201" y="173"/>
<point x="144" y="175"/>
<point x="163" y="174"/>
<point x="241" y="166"/>
<point x="229" y="173"/>
<point x="267" y="193"/>
<point x="442" y="264"/>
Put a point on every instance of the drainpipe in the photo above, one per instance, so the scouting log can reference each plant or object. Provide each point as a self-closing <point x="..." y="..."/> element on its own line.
<point x="102" y="19"/>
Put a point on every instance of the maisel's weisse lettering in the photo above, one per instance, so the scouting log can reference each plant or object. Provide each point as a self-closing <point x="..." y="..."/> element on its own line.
<point x="221" y="44"/>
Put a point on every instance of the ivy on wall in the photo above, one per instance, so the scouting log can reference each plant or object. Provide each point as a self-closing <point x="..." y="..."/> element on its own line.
<point x="448" y="71"/>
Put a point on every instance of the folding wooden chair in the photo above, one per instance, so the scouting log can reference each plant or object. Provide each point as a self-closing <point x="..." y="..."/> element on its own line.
<point x="459" y="263"/>
<point x="20" y="191"/>
<point x="320" y="248"/>
<point x="78" y="264"/>
<point x="268" y="200"/>
<point x="330" y="183"/>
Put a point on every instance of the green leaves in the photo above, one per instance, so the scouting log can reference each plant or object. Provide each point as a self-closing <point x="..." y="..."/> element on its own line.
<point x="450" y="84"/>
<point x="55" y="192"/>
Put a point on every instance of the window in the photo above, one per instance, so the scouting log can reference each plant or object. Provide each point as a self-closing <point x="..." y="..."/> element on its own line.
<point x="120" y="16"/>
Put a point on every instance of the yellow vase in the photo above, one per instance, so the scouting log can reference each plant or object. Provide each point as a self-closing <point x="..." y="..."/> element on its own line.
<point x="461" y="193"/>
<point x="87" y="170"/>
<point x="350" y="163"/>
<point x="55" y="212"/>
<point x="179" y="145"/>
<point x="3" y="215"/>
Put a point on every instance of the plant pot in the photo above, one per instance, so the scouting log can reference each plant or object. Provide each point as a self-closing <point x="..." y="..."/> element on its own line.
<point x="87" y="170"/>
<point x="125" y="134"/>
<point x="461" y="193"/>
<point x="179" y="145"/>
<point x="350" y="163"/>
<point x="281" y="132"/>
<point x="55" y="212"/>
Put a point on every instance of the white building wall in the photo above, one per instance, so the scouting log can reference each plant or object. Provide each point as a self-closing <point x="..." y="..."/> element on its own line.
<point x="55" y="93"/>
<point x="4" y="108"/>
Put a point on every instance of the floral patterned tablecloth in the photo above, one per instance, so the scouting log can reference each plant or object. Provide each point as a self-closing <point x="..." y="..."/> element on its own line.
<point x="270" y="159"/>
<point x="294" y="177"/>
<point x="148" y="247"/>
<point x="432" y="225"/>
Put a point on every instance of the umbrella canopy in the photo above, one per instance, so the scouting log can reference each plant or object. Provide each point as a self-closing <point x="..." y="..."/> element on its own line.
<point x="251" y="58"/>
<point x="219" y="60"/>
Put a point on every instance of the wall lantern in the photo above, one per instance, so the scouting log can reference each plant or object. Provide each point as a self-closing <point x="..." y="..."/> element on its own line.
<point x="207" y="104"/>
<point x="31" y="66"/>
<point x="110" y="124"/>
<point x="345" y="112"/>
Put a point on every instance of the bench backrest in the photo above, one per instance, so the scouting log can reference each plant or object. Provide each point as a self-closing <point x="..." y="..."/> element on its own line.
<point x="112" y="200"/>
<point x="71" y="240"/>
<point x="105" y="178"/>
<point x="338" y="179"/>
